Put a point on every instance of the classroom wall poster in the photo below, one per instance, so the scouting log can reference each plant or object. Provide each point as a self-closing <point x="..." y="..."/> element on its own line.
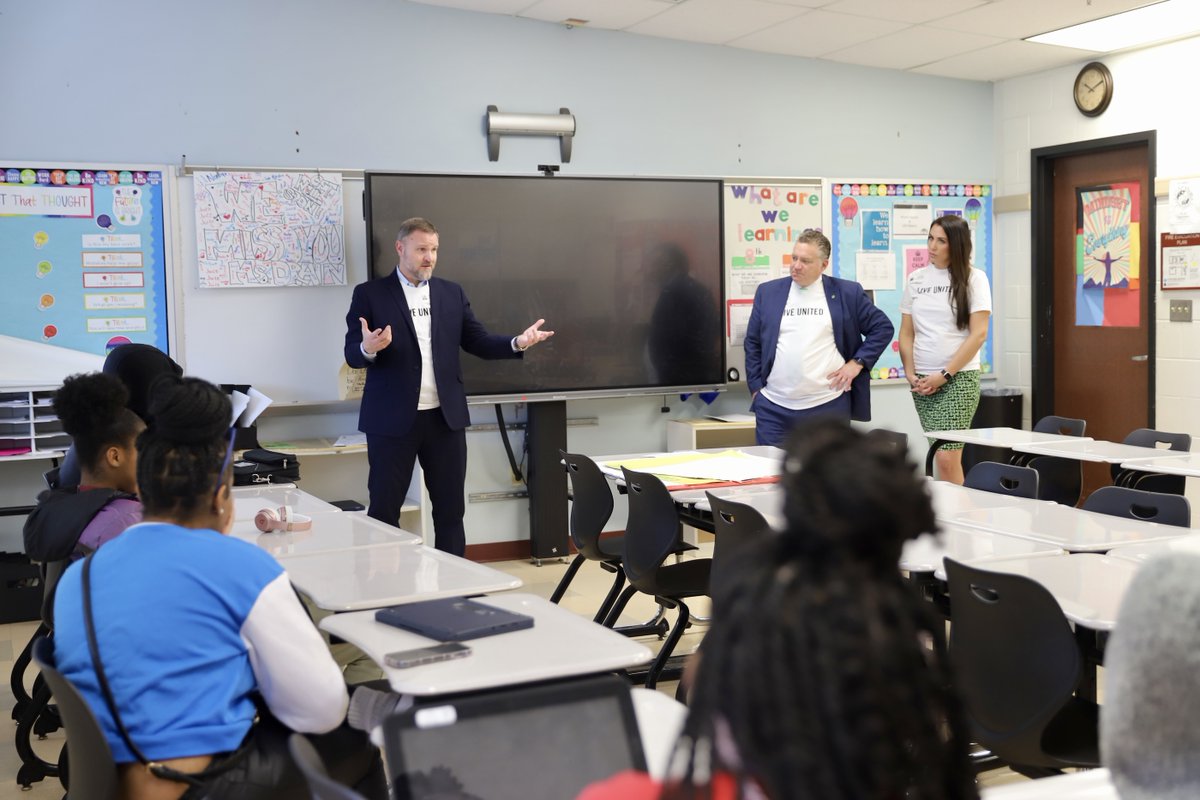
<point x="878" y="232"/>
<point x="83" y="260"/>
<point x="762" y="220"/>
<point x="1108" y="256"/>
<point x="256" y="229"/>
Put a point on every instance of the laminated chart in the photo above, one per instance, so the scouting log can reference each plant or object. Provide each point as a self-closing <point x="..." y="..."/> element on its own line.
<point x="256" y="229"/>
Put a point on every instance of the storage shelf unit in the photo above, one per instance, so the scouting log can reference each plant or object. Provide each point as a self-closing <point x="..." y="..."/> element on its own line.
<point x="29" y="428"/>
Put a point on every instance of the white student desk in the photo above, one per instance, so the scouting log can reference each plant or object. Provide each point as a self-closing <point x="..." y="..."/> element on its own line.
<point x="388" y="575"/>
<point x="335" y="531"/>
<point x="1180" y="463"/>
<point x="560" y="644"/>
<point x="249" y="500"/>
<point x="1071" y="529"/>
<point x="1096" y="450"/>
<point x="1142" y="553"/>
<point x="968" y="545"/>
<point x="1092" y="784"/>
<point x="1088" y="586"/>
<point x="1011" y="438"/>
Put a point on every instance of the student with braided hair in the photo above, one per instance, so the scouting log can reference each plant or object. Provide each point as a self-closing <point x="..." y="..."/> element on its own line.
<point x="178" y="636"/>
<point x="823" y="676"/>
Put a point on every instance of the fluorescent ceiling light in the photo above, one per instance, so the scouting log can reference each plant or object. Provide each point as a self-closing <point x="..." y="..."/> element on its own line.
<point x="1168" y="19"/>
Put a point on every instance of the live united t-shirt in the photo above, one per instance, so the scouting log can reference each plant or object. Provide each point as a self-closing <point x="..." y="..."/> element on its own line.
<point x="806" y="352"/>
<point x="937" y="337"/>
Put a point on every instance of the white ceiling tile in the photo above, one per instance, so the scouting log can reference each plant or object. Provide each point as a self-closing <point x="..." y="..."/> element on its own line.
<point x="804" y="3"/>
<point x="1005" y="60"/>
<point x="611" y="14"/>
<point x="816" y="33"/>
<point x="911" y="47"/>
<point x="488" y="6"/>
<point x="716" y="21"/>
<point x="1016" y="19"/>
<point x="912" y="11"/>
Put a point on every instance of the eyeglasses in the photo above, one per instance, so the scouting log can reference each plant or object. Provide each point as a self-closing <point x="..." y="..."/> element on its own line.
<point x="225" y="462"/>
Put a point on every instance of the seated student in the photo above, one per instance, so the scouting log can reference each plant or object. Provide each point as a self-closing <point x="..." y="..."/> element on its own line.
<point x="823" y="676"/>
<point x="1148" y="733"/>
<point x="93" y="410"/>
<point x="189" y="628"/>
<point x="137" y="366"/>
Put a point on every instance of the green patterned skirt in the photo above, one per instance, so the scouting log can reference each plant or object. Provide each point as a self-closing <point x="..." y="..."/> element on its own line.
<point x="950" y="408"/>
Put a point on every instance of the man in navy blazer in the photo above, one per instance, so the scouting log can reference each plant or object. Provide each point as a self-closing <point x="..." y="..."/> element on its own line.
<point x="810" y="345"/>
<point x="413" y="405"/>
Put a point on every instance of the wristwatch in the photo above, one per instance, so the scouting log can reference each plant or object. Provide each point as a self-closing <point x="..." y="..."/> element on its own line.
<point x="859" y="361"/>
<point x="946" y="374"/>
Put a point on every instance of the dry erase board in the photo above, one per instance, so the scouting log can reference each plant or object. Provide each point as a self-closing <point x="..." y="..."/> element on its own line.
<point x="879" y="232"/>
<point x="84" y="259"/>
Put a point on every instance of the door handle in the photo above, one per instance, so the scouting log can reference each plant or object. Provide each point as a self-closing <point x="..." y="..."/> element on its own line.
<point x="1139" y="358"/>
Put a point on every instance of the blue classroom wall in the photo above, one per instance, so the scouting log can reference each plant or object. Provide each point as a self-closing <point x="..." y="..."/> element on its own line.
<point x="383" y="84"/>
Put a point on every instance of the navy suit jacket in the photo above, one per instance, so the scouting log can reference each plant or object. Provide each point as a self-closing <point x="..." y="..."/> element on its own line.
<point x="860" y="330"/>
<point x="389" y="403"/>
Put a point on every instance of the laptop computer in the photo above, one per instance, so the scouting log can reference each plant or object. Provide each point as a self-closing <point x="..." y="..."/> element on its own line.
<point x="547" y="740"/>
<point x="453" y="619"/>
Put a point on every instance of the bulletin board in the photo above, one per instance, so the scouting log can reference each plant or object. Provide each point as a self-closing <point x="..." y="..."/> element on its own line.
<point x="762" y="218"/>
<point x="84" y="253"/>
<point x="879" y="232"/>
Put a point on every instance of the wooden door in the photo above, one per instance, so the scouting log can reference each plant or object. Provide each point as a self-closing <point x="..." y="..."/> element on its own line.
<point x="1098" y="337"/>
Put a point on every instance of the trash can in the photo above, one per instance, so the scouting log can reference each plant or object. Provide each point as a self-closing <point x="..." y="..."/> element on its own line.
<point x="999" y="407"/>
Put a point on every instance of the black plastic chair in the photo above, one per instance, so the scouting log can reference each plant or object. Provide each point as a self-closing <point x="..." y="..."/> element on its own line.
<point x="591" y="506"/>
<point x="320" y="785"/>
<point x="651" y="535"/>
<point x="735" y="525"/>
<point x="90" y="768"/>
<point x="1059" y="479"/>
<point x="897" y="440"/>
<point x="1018" y="664"/>
<point x="1153" y="481"/>
<point x="1121" y="501"/>
<point x="1007" y="479"/>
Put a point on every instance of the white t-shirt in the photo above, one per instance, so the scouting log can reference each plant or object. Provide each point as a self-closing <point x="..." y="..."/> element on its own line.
<point x="926" y="299"/>
<point x="806" y="352"/>
<point x="418" y="305"/>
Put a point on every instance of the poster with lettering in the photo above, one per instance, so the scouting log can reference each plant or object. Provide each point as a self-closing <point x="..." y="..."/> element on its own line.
<point x="763" y="217"/>
<point x="1108" y="256"/>
<point x="256" y="229"/>
<point x="83" y="254"/>
<point x="878" y="231"/>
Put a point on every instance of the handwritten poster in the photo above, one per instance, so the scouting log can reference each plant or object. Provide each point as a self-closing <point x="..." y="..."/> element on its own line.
<point x="258" y="229"/>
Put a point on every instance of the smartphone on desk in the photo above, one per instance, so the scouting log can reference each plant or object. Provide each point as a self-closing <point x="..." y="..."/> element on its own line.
<point x="403" y="659"/>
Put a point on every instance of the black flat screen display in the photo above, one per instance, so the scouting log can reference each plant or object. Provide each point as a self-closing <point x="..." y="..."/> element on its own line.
<point x="626" y="271"/>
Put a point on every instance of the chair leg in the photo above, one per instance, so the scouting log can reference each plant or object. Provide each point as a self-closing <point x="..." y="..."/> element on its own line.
<point x="622" y="601"/>
<point x="33" y="768"/>
<point x="17" y="677"/>
<point x="611" y="597"/>
<point x="567" y="577"/>
<point x="655" y="626"/>
<point x="668" y="646"/>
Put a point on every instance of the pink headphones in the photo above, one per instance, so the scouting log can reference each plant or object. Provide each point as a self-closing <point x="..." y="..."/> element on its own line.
<point x="283" y="519"/>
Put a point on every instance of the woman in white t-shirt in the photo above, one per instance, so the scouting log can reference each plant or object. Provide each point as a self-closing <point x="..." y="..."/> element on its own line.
<point x="943" y="323"/>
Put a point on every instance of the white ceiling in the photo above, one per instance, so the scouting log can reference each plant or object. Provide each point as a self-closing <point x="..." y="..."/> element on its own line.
<point x="973" y="39"/>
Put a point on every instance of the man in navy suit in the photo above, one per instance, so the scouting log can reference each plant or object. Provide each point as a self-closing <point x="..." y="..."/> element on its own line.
<point x="413" y="405"/>
<point x="810" y="345"/>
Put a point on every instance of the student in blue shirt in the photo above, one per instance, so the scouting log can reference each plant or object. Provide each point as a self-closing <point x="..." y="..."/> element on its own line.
<point x="198" y="634"/>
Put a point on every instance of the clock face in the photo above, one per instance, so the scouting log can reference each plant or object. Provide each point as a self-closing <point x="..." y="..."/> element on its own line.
<point x="1093" y="89"/>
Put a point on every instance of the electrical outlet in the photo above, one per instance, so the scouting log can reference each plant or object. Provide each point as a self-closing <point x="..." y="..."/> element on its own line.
<point x="1181" y="310"/>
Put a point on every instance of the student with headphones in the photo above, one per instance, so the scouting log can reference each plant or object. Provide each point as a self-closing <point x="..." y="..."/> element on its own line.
<point x="179" y="637"/>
